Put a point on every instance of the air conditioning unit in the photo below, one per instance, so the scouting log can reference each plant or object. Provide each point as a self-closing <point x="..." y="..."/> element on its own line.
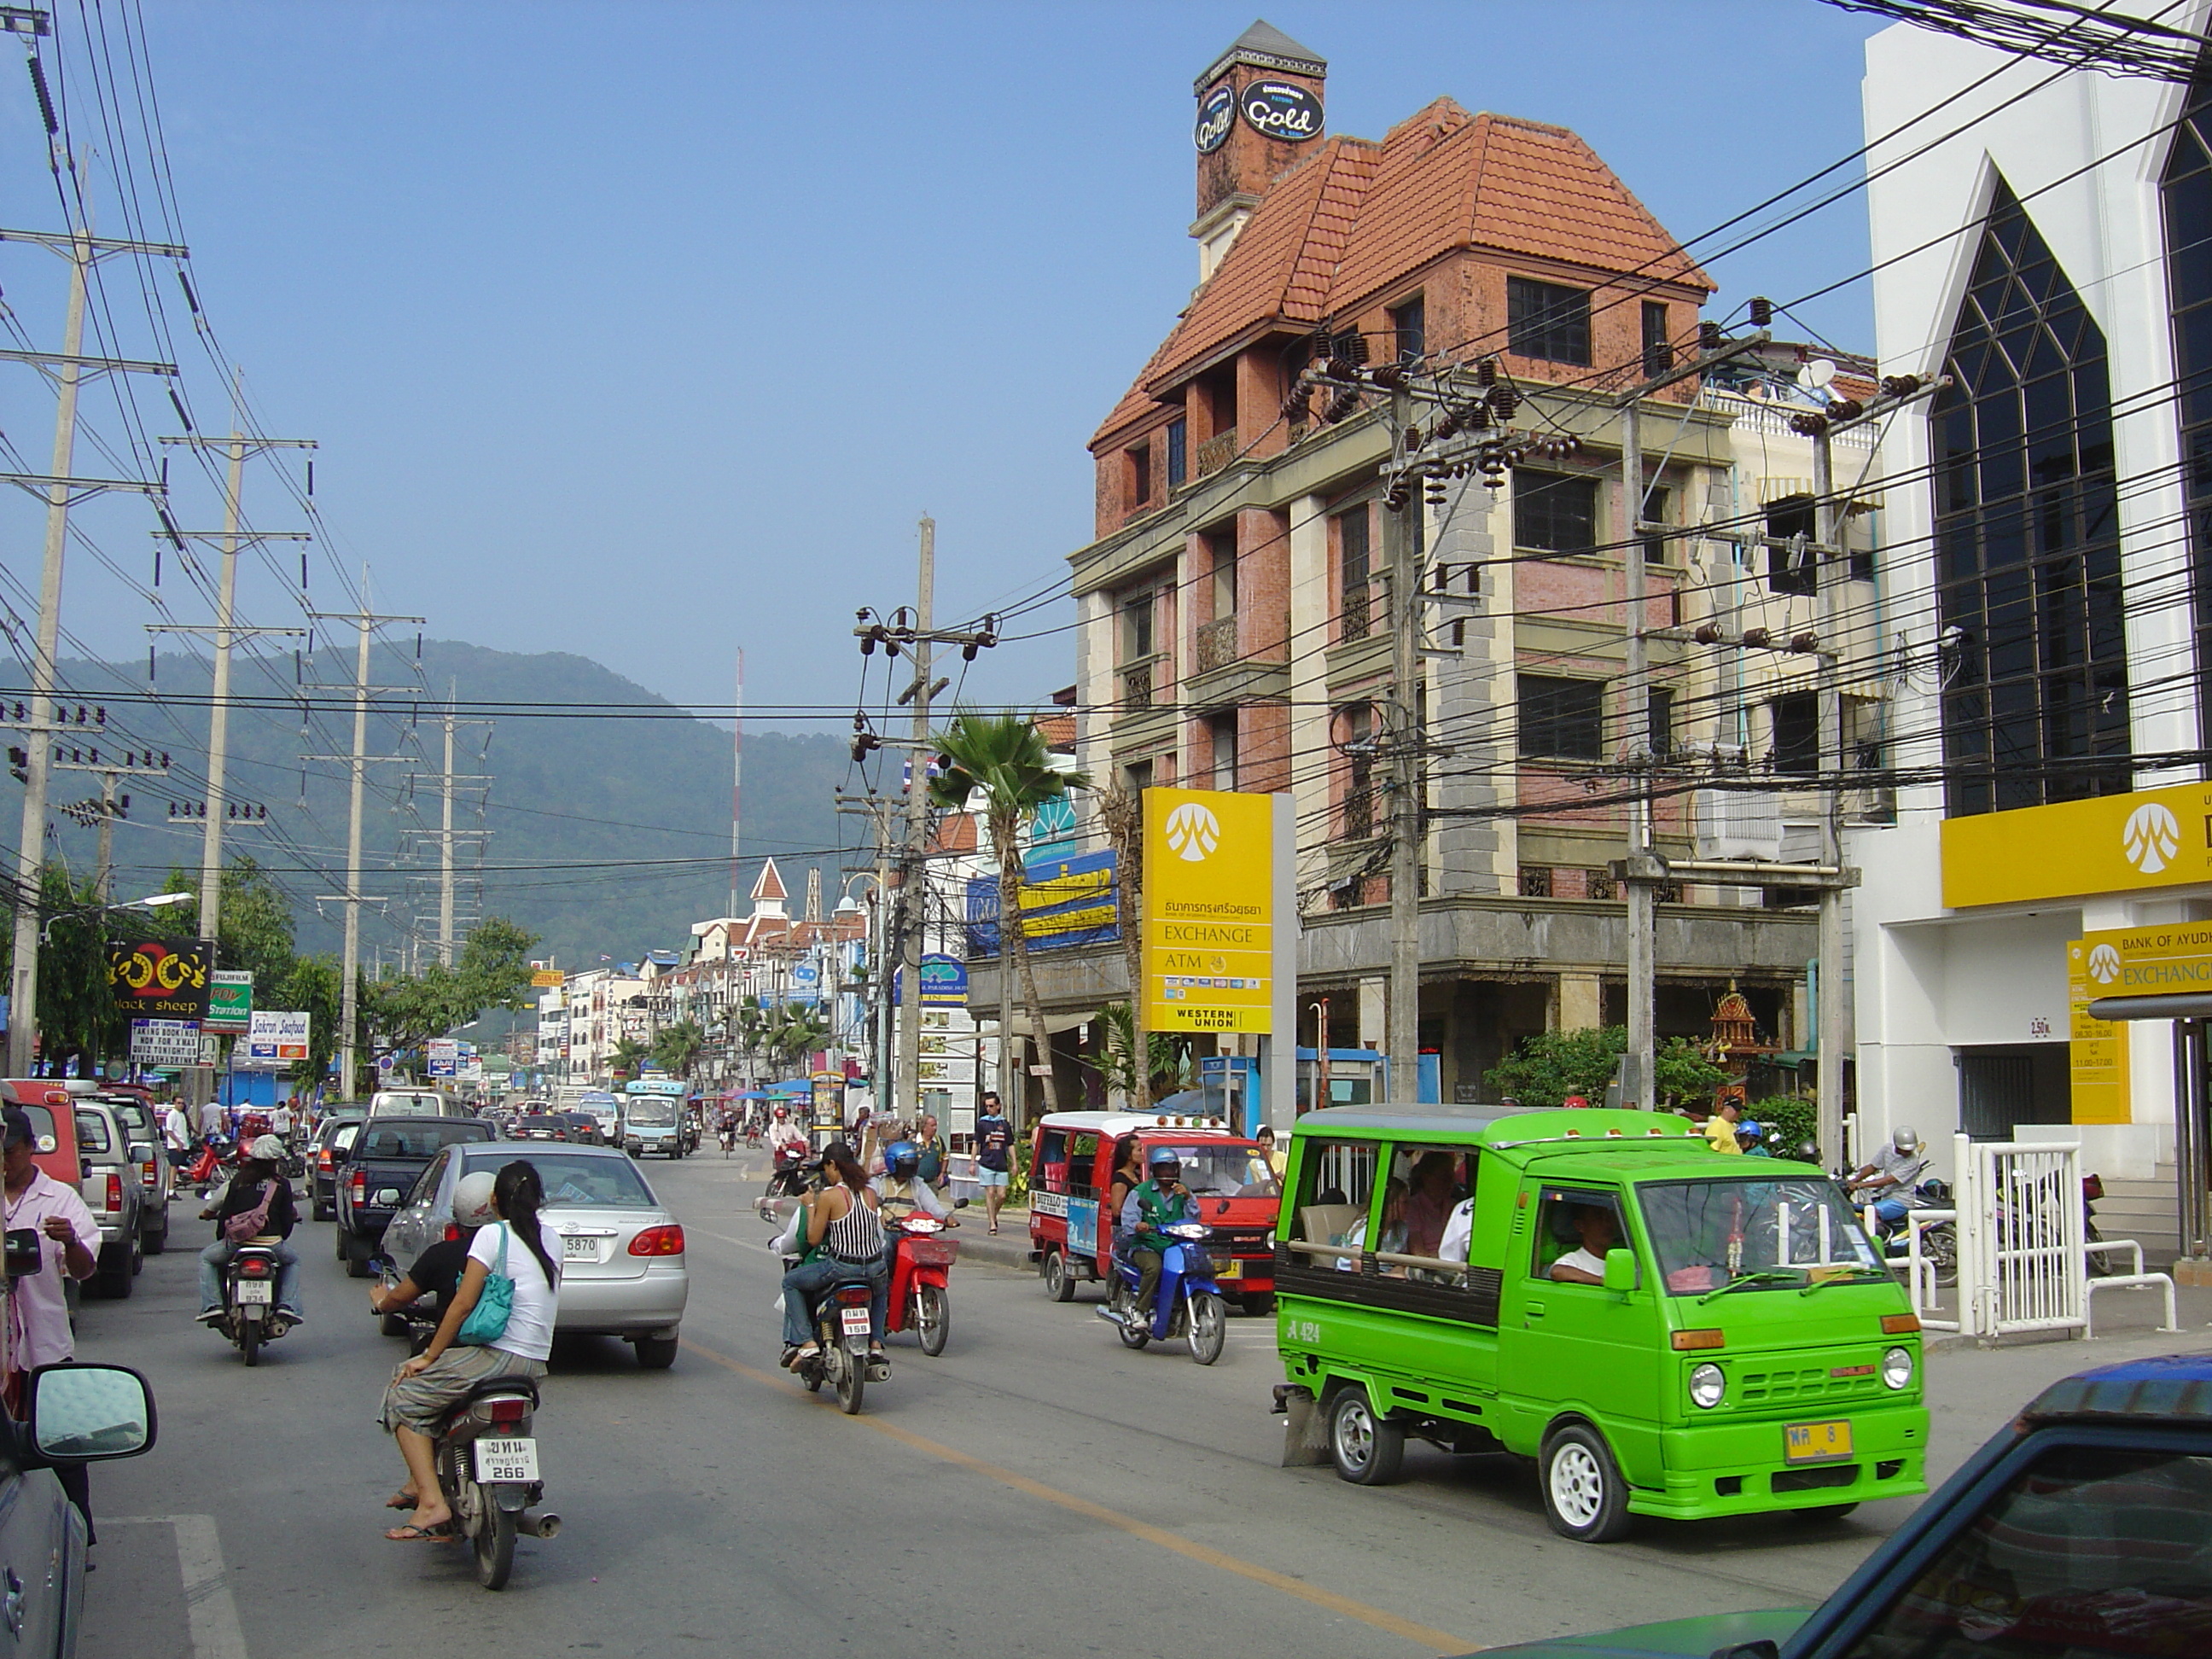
<point x="1738" y="823"/>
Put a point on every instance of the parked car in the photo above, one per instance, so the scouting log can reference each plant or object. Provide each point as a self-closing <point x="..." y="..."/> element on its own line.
<point x="333" y="1138"/>
<point x="385" y="1161"/>
<point x="2074" y="1530"/>
<point x="75" y="1414"/>
<point x="111" y="1187"/>
<point x="622" y="1268"/>
<point x="141" y="1129"/>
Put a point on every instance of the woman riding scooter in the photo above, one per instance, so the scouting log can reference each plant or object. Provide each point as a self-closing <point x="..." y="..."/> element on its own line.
<point x="844" y="1239"/>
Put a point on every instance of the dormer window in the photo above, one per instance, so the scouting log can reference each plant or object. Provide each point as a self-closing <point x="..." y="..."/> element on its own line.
<point x="1409" y="328"/>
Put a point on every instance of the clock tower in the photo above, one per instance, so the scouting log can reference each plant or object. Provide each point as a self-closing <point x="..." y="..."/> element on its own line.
<point x="1259" y="111"/>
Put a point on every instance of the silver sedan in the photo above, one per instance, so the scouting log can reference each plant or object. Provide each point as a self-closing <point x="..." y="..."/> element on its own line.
<point x="623" y="1271"/>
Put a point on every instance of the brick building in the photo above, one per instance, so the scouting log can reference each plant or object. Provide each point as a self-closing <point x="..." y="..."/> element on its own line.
<point x="1232" y="617"/>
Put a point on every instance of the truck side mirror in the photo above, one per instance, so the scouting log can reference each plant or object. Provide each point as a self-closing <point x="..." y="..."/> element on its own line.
<point x="1620" y="1270"/>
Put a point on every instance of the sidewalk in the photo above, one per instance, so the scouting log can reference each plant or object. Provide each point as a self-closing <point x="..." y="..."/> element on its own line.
<point x="1011" y="1248"/>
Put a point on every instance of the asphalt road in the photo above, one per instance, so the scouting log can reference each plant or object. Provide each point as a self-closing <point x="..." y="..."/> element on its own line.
<point x="1037" y="1489"/>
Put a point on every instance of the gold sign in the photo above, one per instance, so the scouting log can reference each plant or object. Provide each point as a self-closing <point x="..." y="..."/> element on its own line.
<point x="1209" y="910"/>
<point x="2096" y="1049"/>
<point x="2109" y="844"/>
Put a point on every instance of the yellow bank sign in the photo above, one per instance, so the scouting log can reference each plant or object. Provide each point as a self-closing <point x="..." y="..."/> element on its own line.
<point x="2109" y="844"/>
<point x="1209" y="917"/>
<point x="2097" y="1050"/>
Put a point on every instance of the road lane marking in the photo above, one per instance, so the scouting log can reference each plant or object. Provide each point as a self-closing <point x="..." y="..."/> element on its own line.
<point x="1435" y="1641"/>
<point x="209" y="1607"/>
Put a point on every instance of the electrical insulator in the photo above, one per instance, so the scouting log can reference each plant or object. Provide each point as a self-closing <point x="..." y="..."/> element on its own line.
<point x="1343" y="406"/>
<point x="1762" y="312"/>
<point x="1757" y="637"/>
<point x="1396" y="497"/>
<point x="1436" y="492"/>
<point x="1900" y="385"/>
<point x="1805" y="644"/>
<point x="1809" y="425"/>
<point x="1389" y="376"/>
<point x="1710" y="337"/>
<point x="1503" y="400"/>
<point x="1297" y="408"/>
<point x="1485" y="372"/>
<point x="1414" y="439"/>
<point x="1846" y="409"/>
<point x="1707" y="634"/>
<point x="1476" y="416"/>
<point x="1446" y="423"/>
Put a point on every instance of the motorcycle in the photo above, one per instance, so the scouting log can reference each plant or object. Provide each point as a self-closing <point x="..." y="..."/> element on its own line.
<point x="211" y="1168"/>
<point x="486" y="1457"/>
<point x="841" y="1337"/>
<point x="921" y="1262"/>
<point x="1939" y="1241"/>
<point x="729" y="1138"/>
<point x="249" y="1300"/>
<point x="1188" y="1302"/>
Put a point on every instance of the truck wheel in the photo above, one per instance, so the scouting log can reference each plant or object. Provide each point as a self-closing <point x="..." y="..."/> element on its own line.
<point x="1368" y="1450"/>
<point x="1058" y="1283"/>
<point x="356" y="1257"/>
<point x="394" y="1325"/>
<point x="153" y="1243"/>
<point x="1585" y="1496"/>
<point x="338" y="1241"/>
<point x="656" y="1354"/>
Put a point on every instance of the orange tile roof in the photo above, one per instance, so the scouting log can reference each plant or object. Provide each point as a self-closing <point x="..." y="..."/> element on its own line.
<point x="1058" y="731"/>
<point x="1357" y="216"/>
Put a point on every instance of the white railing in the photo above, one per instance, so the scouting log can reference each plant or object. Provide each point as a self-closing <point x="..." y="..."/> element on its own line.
<point x="2138" y="1280"/>
<point x="2022" y="1261"/>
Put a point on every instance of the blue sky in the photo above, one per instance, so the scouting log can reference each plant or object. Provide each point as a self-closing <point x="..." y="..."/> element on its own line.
<point x="644" y="330"/>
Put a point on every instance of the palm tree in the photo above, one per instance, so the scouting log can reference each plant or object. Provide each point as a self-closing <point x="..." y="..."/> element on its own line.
<point x="627" y="1057"/>
<point x="677" y="1050"/>
<point x="1003" y="758"/>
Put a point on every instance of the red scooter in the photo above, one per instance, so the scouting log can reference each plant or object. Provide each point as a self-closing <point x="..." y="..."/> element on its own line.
<point x="921" y="1262"/>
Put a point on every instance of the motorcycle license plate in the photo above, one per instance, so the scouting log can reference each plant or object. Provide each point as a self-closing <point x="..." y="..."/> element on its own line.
<point x="501" y="1462"/>
<point x="255" y="1290"/>
<point x="854" y="1320"/>
<point x="1816" y="1443"/>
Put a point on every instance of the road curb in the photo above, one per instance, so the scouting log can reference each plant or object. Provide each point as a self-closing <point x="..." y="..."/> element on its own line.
<point x="1009" y="1249"/>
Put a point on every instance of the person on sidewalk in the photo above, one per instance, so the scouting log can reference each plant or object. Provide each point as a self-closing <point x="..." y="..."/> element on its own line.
<point x="37" y="1308"/>
<point x="995" y="1155"/>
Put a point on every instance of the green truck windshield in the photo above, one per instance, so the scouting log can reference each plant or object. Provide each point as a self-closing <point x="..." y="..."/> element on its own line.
<point x="1708" y="1233"/>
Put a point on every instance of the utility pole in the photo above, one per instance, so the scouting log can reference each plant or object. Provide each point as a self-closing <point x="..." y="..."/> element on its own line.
<point x="1636" y="1083"/>
<point x="1827" y="571"/>
<point x="104" y="812"/>
<point x="913" y="900"/>
<point x="737" y="777"/>
<point x="1406" y="784"/>
<point x="68" y="370"/>
<point x="448" y="929"/>
<point x="358" y="764"/>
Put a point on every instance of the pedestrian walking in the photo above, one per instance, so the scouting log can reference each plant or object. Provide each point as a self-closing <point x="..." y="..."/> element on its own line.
<point x="176" y="1134"/>
<point x="995" y="1155"/>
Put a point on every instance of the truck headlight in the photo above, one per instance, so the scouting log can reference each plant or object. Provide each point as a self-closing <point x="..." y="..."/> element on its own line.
<point x="1896" y="1368"/>
<point x="1708" y="1382"/>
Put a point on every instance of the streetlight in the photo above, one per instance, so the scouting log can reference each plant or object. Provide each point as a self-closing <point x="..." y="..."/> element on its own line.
<point x="155" y="902"/>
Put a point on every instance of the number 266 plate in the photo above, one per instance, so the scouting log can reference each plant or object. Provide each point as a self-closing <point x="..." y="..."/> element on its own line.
<point x="506" y="1461"/>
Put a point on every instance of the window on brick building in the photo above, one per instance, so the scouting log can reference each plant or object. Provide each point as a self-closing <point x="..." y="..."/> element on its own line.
<point x="1140" y="472"/>
<point x="1137" y="628"/>
<point x="1409" y="323"/>
<point x="1796" y="716"/>
<point x="1657" y="500"/>
<point x="1660" y="703"/>
<point x="1352" y="553"/>
<point x="1178" y="452"/>
<point x="1221" y="565"/>
<point x="1357" y="729"/>
<point x="1221" y="734"/>
<point x="1658" y="346"/>
<point x="1791" y="567"/>
<point x="1559" y="718"/>
<point x="1547" y="320"/>
<point x="1554" y="513"/>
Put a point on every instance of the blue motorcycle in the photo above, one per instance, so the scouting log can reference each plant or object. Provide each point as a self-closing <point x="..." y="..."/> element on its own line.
<point x="1188" y="1304"/>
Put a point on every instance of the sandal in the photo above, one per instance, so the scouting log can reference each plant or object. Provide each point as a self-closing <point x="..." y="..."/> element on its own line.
<point x="440" y="1533"/>
<point x="401" y="1500"/>
<point x="799" y="1356"/>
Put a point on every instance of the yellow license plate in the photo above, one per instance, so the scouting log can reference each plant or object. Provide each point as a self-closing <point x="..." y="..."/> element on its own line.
<point x="1816" y="1443"/>
<point x="1230" y="1270"/>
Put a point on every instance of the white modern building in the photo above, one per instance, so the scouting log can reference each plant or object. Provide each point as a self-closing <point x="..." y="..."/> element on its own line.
<point x="2043" y="238"/>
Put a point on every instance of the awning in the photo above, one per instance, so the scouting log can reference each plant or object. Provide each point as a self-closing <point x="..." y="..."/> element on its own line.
<point x="2180" y="1005"/>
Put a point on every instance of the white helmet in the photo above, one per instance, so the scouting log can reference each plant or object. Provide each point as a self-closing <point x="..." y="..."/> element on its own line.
<point x="473" y="1199"/>
<point x="1906" y="1139"/>
<point x="267" y="1148"/>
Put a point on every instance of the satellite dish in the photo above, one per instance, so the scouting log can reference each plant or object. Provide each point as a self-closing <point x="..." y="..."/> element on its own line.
<point x="1817" y="374"/>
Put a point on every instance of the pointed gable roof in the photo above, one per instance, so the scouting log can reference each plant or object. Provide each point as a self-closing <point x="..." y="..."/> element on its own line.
<point x="1270" y="48"/>
<point x="770" y="885"/>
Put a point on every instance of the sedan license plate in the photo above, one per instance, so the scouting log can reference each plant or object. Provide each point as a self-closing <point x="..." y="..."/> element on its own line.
<point x="580" y="1249"/>
<point x="506" y="1461"/>
<point x="856" y="1320"/>
<point x="1816" y="1443"/>
<point x="255" y="1290"/>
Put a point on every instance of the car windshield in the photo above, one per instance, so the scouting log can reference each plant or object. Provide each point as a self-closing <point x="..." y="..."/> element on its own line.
<point x="416" y="1140"/>
<point x="1226" y="1169"/>
<point x="653" y="1111"/>
<point x="1711" y="1233"/>
<point x="576" y="1181"/>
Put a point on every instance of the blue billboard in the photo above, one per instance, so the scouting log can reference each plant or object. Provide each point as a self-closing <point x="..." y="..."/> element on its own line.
<point x="1066" y="903"/>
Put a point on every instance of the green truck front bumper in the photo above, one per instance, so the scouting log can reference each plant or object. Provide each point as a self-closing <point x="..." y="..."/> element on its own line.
<point x="1735" y="1468"/>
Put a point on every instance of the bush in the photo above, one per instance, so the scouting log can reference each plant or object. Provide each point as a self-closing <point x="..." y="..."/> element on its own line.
<point x="1798" y="1119"/>
<point x="1545" y="1069"/>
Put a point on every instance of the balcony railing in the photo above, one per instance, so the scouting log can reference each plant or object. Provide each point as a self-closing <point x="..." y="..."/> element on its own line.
<point x="1354" y="622"/>
<point x="1215" y="453"/>
<point x="1136" y="689"/>
<point x="1359" y="813"/>
<point x="1216" y="643"/>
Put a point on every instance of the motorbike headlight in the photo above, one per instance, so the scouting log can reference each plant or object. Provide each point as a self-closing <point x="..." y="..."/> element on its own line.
<point x="1708" y="1382"/>
<point x="1896" y="1368"/>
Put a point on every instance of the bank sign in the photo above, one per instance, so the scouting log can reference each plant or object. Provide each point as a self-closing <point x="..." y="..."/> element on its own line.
<point x="1209" y="922"/>
<point x="2151" y="838"/>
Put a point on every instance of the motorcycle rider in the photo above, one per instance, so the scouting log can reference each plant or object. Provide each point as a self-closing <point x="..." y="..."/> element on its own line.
<point x="786" y="1140"/>
<point x="437" y="1272"/>
<point x="1890" y="1179"/>
<point x="261" y="1168"/>
<point x="901" y="1181"/>
<point x="1161" y="1201"/>
<point x="842" y="1218"/>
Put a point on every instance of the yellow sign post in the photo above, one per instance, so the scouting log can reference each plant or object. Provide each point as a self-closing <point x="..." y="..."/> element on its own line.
<point x="1209" y="911"/>
<point x="2096" y="1049"/>
<point x="2108" y="844"/>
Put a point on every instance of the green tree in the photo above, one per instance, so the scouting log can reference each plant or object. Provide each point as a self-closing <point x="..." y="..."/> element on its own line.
<point x="677" y="1048"/>
<point x="311" y="986"/>
<point x="492" y="970"/>
<point x="1167" y="1055"/>
<point x="627" y="1056"/>
<point x="1545" y="1069"/>
<point x="1003" y="759"/>
<point x="77" y="1012"/>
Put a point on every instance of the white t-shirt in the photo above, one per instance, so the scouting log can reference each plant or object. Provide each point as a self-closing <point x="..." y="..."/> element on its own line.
<point x="529" y="1333"/>
<point x="1590" y="1264"/>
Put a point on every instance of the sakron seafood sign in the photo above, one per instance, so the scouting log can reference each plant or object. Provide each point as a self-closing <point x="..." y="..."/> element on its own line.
<point x="160" y="978"/>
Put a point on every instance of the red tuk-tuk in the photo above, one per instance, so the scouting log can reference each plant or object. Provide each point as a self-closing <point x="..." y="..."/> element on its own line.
<point x="1073" y="1157"/>
<point x="46" y="1101"/>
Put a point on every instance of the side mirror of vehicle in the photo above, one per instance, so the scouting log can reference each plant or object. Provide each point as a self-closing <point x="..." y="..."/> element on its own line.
<point x="25" y="1255"/>
<point x="387" y="1198"/>
<point x="142" y="1151"/>
<point x="1620" y="1270"/>
<point x="88" y="1413"/>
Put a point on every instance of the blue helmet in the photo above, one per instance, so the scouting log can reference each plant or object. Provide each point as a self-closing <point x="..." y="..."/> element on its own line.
<point x="901" y="1159"/>
<point x="1749" y="1126"/>
<point x="1160" y="1155"/>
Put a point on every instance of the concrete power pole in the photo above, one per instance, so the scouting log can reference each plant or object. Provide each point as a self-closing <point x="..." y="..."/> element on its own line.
<point x="912" y="889"/>
<point x="1828" y="567"/>
<point x="357" y="763"/>
<point x="1638" y="1085"/>
<point x="69" y="370"/>
<point x="1405" y="785"/>
<point x="448" y="928"/>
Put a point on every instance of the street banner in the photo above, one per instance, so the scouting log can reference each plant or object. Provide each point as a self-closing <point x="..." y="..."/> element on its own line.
<point x="1209" y="910"/>
<point x="444" y="1055"/>
<point x="547" y="979"/>
<point x="165" y="1044"/>
<point x="230" y="1000"/>
<point x="278" y="1038"/>
<point x="1066" y="903"/>
<point x="160" y="978"/>
<point x="943" y="981"/>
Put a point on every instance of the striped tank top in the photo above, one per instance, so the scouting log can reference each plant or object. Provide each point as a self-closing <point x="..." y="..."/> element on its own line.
<point x="857" y="1236"/>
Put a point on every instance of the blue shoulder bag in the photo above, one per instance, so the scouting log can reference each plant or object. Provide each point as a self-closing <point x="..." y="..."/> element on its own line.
<point x="487" y="1320"/>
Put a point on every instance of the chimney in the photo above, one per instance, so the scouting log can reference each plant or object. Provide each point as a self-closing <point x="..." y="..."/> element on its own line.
<point x="1259" y="106"/>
